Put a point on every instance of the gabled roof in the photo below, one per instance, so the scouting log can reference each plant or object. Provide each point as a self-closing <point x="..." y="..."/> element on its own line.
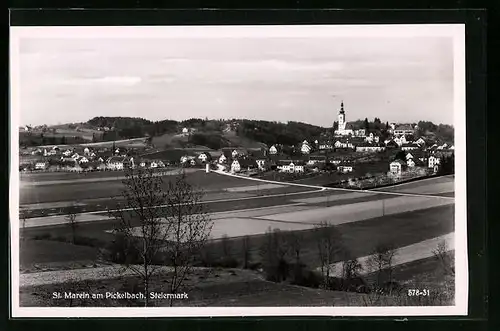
<point x="399" y="161"/>
<point x="403" y="127"/>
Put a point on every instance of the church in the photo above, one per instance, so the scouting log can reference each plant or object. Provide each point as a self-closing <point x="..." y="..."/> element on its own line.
<point x="344" y="129"/>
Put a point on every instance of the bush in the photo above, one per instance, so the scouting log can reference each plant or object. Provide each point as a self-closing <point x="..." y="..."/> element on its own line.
<point x="304" y="277"/>
<point x="277" y="272"/>
<point x="121" y="251"/>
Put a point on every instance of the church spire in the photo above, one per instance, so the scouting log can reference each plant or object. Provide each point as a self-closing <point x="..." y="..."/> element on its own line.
<point x="342" y="107"/>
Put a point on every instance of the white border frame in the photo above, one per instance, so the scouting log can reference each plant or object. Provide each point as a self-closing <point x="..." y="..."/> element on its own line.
<point x="455" y="31"/>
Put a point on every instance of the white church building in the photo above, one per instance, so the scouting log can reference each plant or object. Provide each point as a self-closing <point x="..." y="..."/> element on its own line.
<point x="343" y="128"/>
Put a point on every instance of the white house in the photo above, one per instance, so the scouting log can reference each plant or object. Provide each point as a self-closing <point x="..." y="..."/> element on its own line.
<point x="305" y="149"/>
<point x="285" y="166"/>
<point x="41" y="165"/>
<point x="67" y="152"/>
<point x="186" y="158"/>
<point x="400" y="140"/>
<point x="204" y="157"/>
<point x="370" y="148"/>
<point x="273" y="150"/>
<point x="153" y="164"/>
<point x="75" y="156"/>
<point x="235" y="153"/>
<point x="86" y="151"/>
<point x="325" y="146"/>
<point x="222" y="158"/>
<point x="345" y="168"/>
<point x="83" y="160"/>
<point x="452" y="147"/>
<point x="403" y="129"/>
<point x="397" y="167"/>
<point x="261" y="163"/>
<point x="116" y="163"/>
<point x="410" y="163"/>
<point x="420" y="141"/>
<point x="433" y="160"/>
<point x="443" y="146"/>
<point x="185" y="131"/>
<point x="235" y="166"/>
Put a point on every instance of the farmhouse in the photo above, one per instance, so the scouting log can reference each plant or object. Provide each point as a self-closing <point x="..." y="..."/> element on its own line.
<point x="290" y="166"/>
<point x="345" y="167"/>
<point x="222" y="159"/>
<point x="83" y="160"/>
<point x="397" y="167"/>
<point x="433" y="161"/>
<point x="117" y="163"/>
<point x="273" y="150"/>
<point x="306" y="148"/>
<point x="370" y="147"/>
<point x="41" y="165"/>
<point x="242" y="164"/>
<point x="205" y="157"/>
<point x="403" y="129"/>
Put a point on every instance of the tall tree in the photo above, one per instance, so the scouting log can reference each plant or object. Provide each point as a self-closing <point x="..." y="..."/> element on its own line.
<point x="366" y="124"/>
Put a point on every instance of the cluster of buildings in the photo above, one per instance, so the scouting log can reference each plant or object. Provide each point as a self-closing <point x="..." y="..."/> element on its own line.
<point x="83" y="159"/>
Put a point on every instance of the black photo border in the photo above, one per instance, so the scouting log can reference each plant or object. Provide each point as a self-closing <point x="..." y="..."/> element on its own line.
<point x="475" y="23"/>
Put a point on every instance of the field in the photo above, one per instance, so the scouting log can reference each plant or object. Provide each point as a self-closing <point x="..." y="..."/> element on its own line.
<point x="241" y="207"/>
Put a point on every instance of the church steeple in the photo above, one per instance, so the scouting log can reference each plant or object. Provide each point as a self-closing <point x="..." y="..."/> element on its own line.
<point x="342" y="107"/>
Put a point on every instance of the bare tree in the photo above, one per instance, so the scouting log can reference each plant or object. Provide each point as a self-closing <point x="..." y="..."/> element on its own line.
<point x="161" y="225"/>
<point x="382" y="261"/>
<point x="246" y="246"/>
<point x="190" y="226"/>
<point x="446" y="261"/>
<point x="141" y="229"/>
<point x="351" y="270"/>
<point x="330" y="245"/>
<point x="71" y="218"/>
<point x="273" y="252"/>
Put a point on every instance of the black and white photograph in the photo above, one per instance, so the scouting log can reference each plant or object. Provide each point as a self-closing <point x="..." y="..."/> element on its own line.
<point x="238" y="170"/>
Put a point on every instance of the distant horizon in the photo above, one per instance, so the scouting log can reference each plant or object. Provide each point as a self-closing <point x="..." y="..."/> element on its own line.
<point x="267" y="73"/>
<point x="236" y="119"/>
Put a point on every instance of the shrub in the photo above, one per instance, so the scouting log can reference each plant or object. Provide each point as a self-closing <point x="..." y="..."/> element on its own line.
<point x="305" y="277"/>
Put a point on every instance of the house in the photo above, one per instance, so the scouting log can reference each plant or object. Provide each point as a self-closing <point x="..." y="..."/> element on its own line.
<point x="366" y="147"/>
<point x="325" y="146"/>
<point x="261" y="164"/>
<point x="185" y="131"/>
<point x="205" y="157"/>
<point x="452" y="147"/>
<point x="433" y="161"/>
<point x="314" y="159"/>
<point x="443" y="146"/>
<point x="397" y="167"/>
<point x="75" y="156"/>
<point x="409" y="147"/>
<point x="273" y="150"/>
<point x="305" y="148"/>
<point x="403" y="129"/>
<point x="186" y="158"/>
<point x="400" y="140"/>
<point x="86" y="151"/>
<point x="290" y="166"/>
<point x="117" y="163"/>
<point x="83" y="160"/>
<point x="41" y="165"/>
<point x="240" y="164"/>
<point x="345" y="167"/>
<point x="360" y="132"/>
<point x="420" y="141"/>
<point x="222" y="159"/>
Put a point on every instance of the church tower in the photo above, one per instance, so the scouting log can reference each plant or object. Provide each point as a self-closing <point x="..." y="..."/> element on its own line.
<point x="342" y="122"/>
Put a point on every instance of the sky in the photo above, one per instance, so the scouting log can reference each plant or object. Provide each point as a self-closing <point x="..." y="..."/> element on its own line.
<point x="64" y="79"/>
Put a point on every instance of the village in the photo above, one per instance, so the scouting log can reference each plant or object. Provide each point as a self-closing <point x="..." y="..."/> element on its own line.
<point x="354" y="153"/>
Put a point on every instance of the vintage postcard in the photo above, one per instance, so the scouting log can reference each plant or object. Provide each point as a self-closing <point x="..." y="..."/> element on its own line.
<point x="238" y="171"/>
